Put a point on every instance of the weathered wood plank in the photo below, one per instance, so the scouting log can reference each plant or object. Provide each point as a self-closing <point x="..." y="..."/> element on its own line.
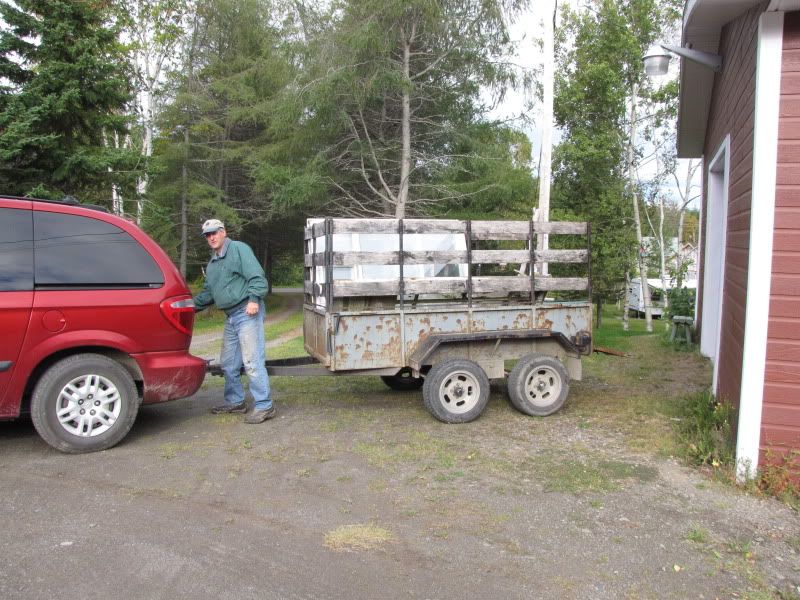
<point x="560" y="227"/>
<point x="500" y="230"/>
<point x="449" y="285"/>
<point x="437" y="285"/>
<point x="308" y="233"/>
<point x="442" y="257"/>
<point x="343" y="288"/>
<point x="392" y="225"/>
<point x="562" y="284"/>
<point x="562" y="256"/>
<point x="501" y="284"/>
<point x="481" y="230"/>
<point x="319" y="229"/>
<point x="434" y="226"/>
<point x="497" y="257"/>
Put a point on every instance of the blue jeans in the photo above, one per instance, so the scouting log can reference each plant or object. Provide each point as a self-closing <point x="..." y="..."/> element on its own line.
<point x="243" y="345"/>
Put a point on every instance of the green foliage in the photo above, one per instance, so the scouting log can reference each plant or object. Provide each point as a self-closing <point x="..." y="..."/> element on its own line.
<point x="64" y="90"/>
<point x="681" y="302"/>
<point x="389" y="105"/>
<point x="704" y="430"/>
<point x="599" y="64"/>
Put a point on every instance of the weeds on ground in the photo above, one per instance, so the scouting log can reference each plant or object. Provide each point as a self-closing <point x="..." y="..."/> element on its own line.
<point x="779" y="477"/>
<point x="704" y="431"/>
<point x="705" y="439"/>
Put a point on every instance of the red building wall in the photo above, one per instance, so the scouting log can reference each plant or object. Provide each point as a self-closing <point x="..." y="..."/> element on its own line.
<point x="731" y="113"/>
<point x="780" y="425"/>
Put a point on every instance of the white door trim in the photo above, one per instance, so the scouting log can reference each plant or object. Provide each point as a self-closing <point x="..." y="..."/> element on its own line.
<point x="715" y="219"/>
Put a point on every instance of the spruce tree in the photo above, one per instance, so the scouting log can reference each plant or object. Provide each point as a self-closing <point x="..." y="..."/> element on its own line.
<point x="64" y="89"/>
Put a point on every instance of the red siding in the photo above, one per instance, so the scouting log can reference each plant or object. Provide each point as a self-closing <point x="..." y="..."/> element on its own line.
<point x="732" y="113"/>
<point x="780" y="423"/>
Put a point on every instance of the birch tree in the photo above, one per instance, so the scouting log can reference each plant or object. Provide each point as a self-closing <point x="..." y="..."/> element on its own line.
<point x="154" y="30"/>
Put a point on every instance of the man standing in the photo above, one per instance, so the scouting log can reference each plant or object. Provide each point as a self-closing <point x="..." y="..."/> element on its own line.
<point x="235" y="282"/>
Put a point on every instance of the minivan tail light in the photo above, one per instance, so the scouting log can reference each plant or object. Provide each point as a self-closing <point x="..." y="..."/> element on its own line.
<point x="179" y="312"/>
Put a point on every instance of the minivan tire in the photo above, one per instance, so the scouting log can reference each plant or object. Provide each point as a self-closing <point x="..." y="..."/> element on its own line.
<point x="84" y="403"/>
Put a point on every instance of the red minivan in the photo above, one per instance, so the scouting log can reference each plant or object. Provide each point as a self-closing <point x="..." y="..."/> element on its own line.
<point x="94" y="320"/>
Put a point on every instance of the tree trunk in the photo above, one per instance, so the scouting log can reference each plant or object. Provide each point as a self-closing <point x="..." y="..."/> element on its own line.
<point x="662" y="247"/>
<point x="627" y="298"/>
<point x="184" y="202"/>
<point x="405" y="125"/>
<point x="599" y="311"/>
<point x="648" y="315"/>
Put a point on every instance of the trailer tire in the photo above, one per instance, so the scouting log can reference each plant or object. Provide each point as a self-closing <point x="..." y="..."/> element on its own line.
<point x="456" y="391"/>
<point x="403" y="381"/>
<point x="538" y="385"/>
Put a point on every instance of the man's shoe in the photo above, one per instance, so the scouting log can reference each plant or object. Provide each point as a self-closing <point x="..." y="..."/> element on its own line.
<point x="259" y="416"/>
<point x="227" y="408"/>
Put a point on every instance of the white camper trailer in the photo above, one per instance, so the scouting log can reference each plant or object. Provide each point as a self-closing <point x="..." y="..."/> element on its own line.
<point x="657" y="293"/>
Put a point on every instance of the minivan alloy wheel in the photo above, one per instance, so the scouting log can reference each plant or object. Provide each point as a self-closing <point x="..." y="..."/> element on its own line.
<point x="88" y="405"/>
<point x="83" y="403"/>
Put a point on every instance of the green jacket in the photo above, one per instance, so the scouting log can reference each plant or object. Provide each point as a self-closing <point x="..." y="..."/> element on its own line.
<point x="232" y="278"/>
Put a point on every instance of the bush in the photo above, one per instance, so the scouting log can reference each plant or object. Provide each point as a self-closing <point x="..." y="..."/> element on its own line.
<point x="681" y="302"/>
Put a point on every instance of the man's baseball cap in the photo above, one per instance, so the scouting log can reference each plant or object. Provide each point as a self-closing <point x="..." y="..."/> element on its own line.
<point x="212" y="225"/>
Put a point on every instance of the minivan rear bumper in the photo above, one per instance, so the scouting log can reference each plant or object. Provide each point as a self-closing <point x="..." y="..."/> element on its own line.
<point x="170" y="375"/>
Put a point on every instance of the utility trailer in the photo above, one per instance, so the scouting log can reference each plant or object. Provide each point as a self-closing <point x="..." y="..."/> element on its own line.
<point x="442" y="305"/>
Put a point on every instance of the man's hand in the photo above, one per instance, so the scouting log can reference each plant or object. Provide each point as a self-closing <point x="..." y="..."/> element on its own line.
<point x="251" y="309"/>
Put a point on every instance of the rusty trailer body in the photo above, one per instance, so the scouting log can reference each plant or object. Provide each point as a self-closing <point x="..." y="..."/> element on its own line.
<point x="411" y="300"/>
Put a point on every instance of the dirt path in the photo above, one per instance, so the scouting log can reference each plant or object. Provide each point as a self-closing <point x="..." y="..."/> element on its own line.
<point x="206" y="345"/>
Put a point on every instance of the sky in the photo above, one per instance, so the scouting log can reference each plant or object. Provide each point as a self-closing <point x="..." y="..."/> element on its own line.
<point x="526" y="33"/>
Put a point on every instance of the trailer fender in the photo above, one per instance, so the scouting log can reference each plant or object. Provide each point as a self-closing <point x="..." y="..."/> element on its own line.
<point x="426" y="349"/>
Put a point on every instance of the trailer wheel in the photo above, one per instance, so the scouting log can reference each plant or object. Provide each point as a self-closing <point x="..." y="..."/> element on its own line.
<point x="403" y="381"/>
<point x="456" y="391"/>
<point x="538" y="385"/>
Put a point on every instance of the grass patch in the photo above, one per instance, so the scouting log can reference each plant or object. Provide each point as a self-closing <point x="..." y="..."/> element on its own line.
<point x="213" y="318"/>
<point x="293" y="347"/>
<point x="576" y="477"/>
<point x="357" y="537"/>
<point x="698" y="535"/>
<point x="419" y="448"/>
<point x="610" y="334"/>
<point x="292" y="322"/>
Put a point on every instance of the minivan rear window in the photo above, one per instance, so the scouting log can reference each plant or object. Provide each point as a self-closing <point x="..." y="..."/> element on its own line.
<point x="16" y="250"/>
<point x="75" y="251"/>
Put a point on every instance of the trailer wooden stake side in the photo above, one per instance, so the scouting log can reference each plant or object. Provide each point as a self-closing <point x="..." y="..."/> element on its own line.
<point x="442" y="305"/>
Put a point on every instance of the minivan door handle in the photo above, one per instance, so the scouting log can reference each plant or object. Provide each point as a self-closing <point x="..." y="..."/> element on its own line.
<point x="5" y="365"/>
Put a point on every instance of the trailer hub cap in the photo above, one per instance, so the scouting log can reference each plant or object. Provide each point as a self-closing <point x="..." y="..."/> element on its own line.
<point x="543" y="385"/>
<point x="459" y="392"/>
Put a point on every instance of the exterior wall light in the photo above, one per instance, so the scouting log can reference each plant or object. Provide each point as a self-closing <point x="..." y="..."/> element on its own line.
<point x="656" y="61"/>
